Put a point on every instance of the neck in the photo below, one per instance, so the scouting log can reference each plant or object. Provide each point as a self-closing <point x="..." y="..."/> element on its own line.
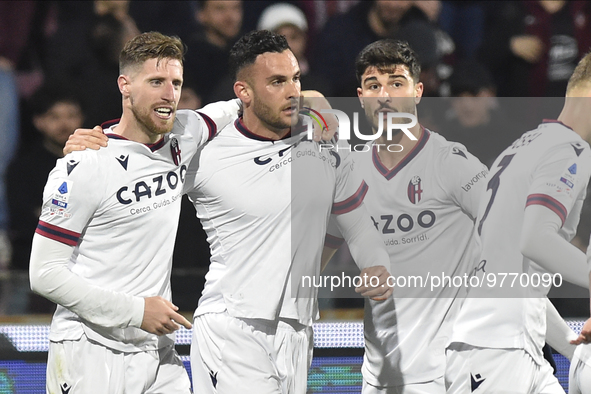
<point x="129" y="128"/>
<point x="573" y="115"/>
<point x="391" y="159"/>
<point x="258" y="127"/>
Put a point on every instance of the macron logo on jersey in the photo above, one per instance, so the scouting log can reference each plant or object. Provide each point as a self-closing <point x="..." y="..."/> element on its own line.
<point x="578" y="148"/>
<point x="476" y="381"/>
<point x="456" y="151"/>
<point x="65" y="388"/>
<point x="123" y="161"/>
<point x="71" y="165"/>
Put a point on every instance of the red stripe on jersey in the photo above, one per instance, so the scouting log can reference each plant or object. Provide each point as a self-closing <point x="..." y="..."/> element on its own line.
<point x="548" y="202"/>
<point x="211" y="126"/>
<point x="330" y="241"/>
<point x="352" y="202"/>
<point x="57" y="233"/>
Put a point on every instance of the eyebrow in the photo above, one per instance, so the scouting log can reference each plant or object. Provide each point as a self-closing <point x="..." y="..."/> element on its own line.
<point x="282" y="76"/>
<point x="390" y="76"/>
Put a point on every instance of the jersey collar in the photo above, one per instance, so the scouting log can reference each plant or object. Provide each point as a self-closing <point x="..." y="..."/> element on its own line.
<point x="389" y="174"/>
<point x="110" y="123"/>
<point x="544" y="121"/>
<point x="241" y="127"/>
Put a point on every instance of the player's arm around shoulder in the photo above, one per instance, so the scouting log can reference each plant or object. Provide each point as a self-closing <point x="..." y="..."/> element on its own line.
<point x="463" y="177"/>
<point x="206" y="123"/>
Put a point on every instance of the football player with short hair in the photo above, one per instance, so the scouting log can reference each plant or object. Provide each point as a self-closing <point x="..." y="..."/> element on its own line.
<point x="103" y="247"/>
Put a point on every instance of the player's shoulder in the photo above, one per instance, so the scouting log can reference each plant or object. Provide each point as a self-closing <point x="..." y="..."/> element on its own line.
<point x="185" y="119"/>
<point x="445" y="150"/>
<point x="558" y="137"/>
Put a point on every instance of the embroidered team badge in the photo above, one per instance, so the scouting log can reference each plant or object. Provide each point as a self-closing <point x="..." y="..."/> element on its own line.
<point x="414" y="189"/>
<point x="175" y="151"/>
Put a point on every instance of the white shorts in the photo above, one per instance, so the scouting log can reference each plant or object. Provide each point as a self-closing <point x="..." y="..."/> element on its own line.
<point x="487" y="370"/>
<point x="87" y="367"/>
<point x="436" y="386"/>
<point x="579" y="374"/>
<point x="230" y="355"/>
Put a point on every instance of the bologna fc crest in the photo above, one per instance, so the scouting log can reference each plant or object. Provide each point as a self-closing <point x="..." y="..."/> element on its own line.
<point x="414" y="189"/>
<point x="175" y="151"/>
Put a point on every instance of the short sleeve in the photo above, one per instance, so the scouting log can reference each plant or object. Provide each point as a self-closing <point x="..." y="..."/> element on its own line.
<point x="560" y="180"/>
<point x="212" y="118"/>
<point x="71" y="197"/>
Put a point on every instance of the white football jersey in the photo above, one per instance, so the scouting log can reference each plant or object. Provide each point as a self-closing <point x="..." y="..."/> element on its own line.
<point x="264" y="205"/>
<point x="119" y="207"/>
<point x="424" y="209"/>
<point x="548" y="166"/>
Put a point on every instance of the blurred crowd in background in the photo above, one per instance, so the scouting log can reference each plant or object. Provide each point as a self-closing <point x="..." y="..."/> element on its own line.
<point x="491" y="70"/>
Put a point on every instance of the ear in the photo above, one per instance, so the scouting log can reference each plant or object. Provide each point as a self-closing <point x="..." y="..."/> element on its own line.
<point x="360" y="95"/>
<point x="124" y="84"/>
<point x="418" y="92"/>
<point x="243" y="91"/>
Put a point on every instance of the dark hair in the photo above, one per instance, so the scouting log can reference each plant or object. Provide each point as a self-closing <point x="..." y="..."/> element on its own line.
<point x="582" y="73"/>
<point x="52" y="93"/>
<point x="249" y="46"/>
<point x="386" y="54"/>
<point x="150" y="45"/>
<point x="106" y="38"/>
<point x="470" y="76"/>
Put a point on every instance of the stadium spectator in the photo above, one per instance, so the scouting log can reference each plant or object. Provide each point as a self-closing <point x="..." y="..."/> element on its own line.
<point x="476" y="117"/>
<point x="56" y="112"/>
<point x="532" y="47"/>
<point x="9" y="135"/>
<point x="85" y="50"/>
<point x="345" y="35"/>
<point x="464" y="22"/>
<point x="290" y="21"/>
<point x="208" y="51"/>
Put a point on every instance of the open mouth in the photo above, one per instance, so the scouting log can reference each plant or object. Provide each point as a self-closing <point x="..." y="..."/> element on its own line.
<point x="163" y="112"/>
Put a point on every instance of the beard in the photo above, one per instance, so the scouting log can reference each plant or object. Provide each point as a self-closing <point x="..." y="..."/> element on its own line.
<point x="272" y="118"/>
<point x="143" y="118"/>
<point x="375" y="116"/>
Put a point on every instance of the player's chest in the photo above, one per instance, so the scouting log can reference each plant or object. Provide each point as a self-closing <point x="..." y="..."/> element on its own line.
<point x="266" y="176"/>
<point x="411" y="200"/>
<point x="143" y="184"/>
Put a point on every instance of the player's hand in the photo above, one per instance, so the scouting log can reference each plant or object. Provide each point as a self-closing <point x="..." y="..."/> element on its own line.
<point x="529" y="48"/>
<point x="376" y="289"/>
<point x="86" y="138"/>
<point x="316" y="101"/>
<point x="161" y="317"/>
<point x="585" y="335"/>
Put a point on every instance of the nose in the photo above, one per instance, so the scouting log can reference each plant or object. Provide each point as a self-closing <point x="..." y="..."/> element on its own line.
<point x="294" y="89"/>
<point x="169" y="92"/>
<point x="384" y="95"/>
